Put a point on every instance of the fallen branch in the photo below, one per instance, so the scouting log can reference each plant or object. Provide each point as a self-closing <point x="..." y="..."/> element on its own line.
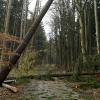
<point x="58" y="75"/>
<point x="9" y="81"/>
<point x="11" y="88"/>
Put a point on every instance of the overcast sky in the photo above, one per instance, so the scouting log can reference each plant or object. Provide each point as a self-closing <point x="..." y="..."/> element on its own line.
<point x="46" y="19"/>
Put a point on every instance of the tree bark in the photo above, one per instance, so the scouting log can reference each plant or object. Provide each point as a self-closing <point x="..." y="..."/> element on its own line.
<point x="82" y="36"/>
<point x="8" y="16"/>
<point x="11" y="88"/>
<point x="7" y="20"/>
<point x="97" y="27"/>
<point x="82" y="28"/>
<point x="4" y="71"/>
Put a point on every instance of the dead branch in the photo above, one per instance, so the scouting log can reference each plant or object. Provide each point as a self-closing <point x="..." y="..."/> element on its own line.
<point x="11" y="88"/>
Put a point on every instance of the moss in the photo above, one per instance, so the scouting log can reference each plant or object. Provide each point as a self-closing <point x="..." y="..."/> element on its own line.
<point x="22" y="80"/>
<point x="90" y="84"/>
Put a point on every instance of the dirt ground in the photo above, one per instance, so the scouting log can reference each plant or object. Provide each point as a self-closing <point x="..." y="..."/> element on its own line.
<point x="48" y="90"/>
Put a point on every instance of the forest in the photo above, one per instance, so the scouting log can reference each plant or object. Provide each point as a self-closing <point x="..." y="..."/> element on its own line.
<point x="51" y="51"/>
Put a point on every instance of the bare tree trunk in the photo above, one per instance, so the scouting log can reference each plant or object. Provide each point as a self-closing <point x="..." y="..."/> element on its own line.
<point x="4" y="71"/>
<point x="82" y="28"/>
<point x="97" y="27"/>
<point x="26" y="14"/>
<point x="82" y="36"/>
<point x="24" y="19"/>
<point x="21" y="28"/>
<point x="85" y="21"/>
<point x="7" y="20"/>
<point x="8" y="16"/>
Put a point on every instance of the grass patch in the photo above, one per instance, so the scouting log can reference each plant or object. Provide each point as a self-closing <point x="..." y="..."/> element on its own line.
<point x="89" y="85"/>
<point x="22" y="80"/>
<point x="49" y="97"/>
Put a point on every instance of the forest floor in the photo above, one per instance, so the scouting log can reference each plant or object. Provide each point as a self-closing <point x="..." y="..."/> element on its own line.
<point x="49" y="90"/>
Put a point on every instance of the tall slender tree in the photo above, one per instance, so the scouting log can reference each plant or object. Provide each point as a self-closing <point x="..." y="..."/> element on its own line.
<point x="80" y="8"/>
<point x="97" y="27"/>
<point x="7" y="20"/>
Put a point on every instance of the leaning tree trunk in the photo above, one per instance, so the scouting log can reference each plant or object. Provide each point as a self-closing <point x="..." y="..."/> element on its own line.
<point x="4" y="71"/>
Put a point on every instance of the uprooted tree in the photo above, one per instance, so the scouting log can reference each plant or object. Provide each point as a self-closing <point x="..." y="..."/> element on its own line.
<point x="4" y="71"/>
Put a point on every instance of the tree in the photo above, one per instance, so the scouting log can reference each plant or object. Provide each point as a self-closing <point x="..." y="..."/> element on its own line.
<point x="8" y="16"/>
<point x="80" y="8"/>
<point x="24" y="15"/>
<point x="2" y="14"/>
<point x="39" y="39"/>
<point x="39" y="44"/>
<point x="97" y="27"/>
<point x="65" y="34"/>
<point x="7" y="20"/>
<point x="4" y="71"/>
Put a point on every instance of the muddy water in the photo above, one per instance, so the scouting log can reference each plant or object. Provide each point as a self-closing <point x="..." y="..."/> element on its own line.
<point x="49" y="90"/>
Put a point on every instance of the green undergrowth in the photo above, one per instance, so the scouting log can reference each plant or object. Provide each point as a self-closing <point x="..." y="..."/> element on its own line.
<point x="92" y="63"/>
<point x="22" y="76"/>
<point x="89" y="83"/>
<point x="22" y="81"/>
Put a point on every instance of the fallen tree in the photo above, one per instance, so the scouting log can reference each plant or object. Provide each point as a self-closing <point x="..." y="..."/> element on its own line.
<point x="4" y="71"/>
<point x="57" y="75"/>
